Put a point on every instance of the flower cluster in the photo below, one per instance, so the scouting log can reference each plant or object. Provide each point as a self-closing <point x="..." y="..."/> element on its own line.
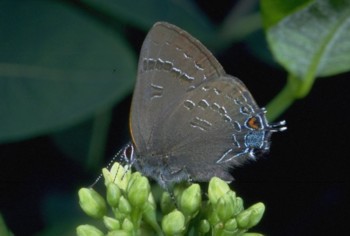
<point x="131" y="209"/>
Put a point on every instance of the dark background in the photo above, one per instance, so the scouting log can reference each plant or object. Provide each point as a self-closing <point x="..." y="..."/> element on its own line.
<point x="301" y="181"/>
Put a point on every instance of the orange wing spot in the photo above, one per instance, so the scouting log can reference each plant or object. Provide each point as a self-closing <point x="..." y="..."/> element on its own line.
<point x="253" y="123"/>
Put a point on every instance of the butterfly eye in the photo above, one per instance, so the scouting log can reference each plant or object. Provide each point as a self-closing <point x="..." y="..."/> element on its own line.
<point x="254" y="123"/>
<point x="128" y="154"/>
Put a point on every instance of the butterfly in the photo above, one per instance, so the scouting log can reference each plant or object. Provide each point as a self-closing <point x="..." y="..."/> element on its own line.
<point x="189" y="120"/>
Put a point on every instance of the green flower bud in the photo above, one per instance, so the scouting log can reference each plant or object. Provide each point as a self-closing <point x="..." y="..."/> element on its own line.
<point x="218" y="227"/>
<point x="229" y="233"/>
<point x="231" y="225"/>
<point x="118" y="175"/>
<point x="138" y="191"/>
<point x="211" y="215"/>
<point x="150" y="216"/>
<point x="225" y="206"/>
<point x="166" y="203"/>
<point x="239" y="206"/>
<point x="134" y="176"/>
<point x="92" y="203"/>
<point x="151" y="200"/>
<point x="124" y="206"/>
<point x="251" y="216"/>
<point x="217" y="188"/>
<point x="204" y="227"/>
<point x="119" y="215"/>
<point x="113" y="194"/>
<point x="173" y="223"/>
<point x="111" y="223"/>
<point x="257" y="212"/>
<point x="119" y="233"/>
<point x="191" y="200"/>
<point x="88" y="230"/>
<point x="243" y="219"/>
<point x="107" y="176"/>
<point x="127" y="225"/>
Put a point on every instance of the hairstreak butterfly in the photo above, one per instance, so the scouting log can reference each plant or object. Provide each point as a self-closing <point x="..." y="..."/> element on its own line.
<point x="189" y="119"/>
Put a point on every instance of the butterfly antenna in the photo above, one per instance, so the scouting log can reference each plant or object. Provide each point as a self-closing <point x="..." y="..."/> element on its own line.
<point x="278" y="126"/>
<point x="113" y="160"/>
<point x="126" y="159"/>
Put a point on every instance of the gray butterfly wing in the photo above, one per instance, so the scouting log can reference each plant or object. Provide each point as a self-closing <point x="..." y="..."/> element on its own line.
<point x="186" y="112"/>
<point x="206" y="132"/>
<point x="171" y="64"/>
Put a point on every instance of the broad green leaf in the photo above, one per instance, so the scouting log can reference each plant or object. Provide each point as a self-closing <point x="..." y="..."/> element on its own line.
<point x="4" y="231"/>
<point x="144" y="14"/>
<point x="273" y="11"/>
<point x="313" y="41"/>
<point x="86" y="141"/>
<point x="58" y="67"/>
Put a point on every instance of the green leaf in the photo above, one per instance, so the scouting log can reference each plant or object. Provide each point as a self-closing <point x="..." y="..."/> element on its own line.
<point x="313" y="41"/>
<point x="57" y="68"/>
<point x="273" y="11"/>
<point x="144" y="14"/>
<point x="4" y="231"/>
<point x="85" y="142"/>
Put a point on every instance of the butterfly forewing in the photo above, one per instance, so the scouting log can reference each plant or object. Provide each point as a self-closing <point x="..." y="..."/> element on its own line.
<point x="171" y="64"/>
